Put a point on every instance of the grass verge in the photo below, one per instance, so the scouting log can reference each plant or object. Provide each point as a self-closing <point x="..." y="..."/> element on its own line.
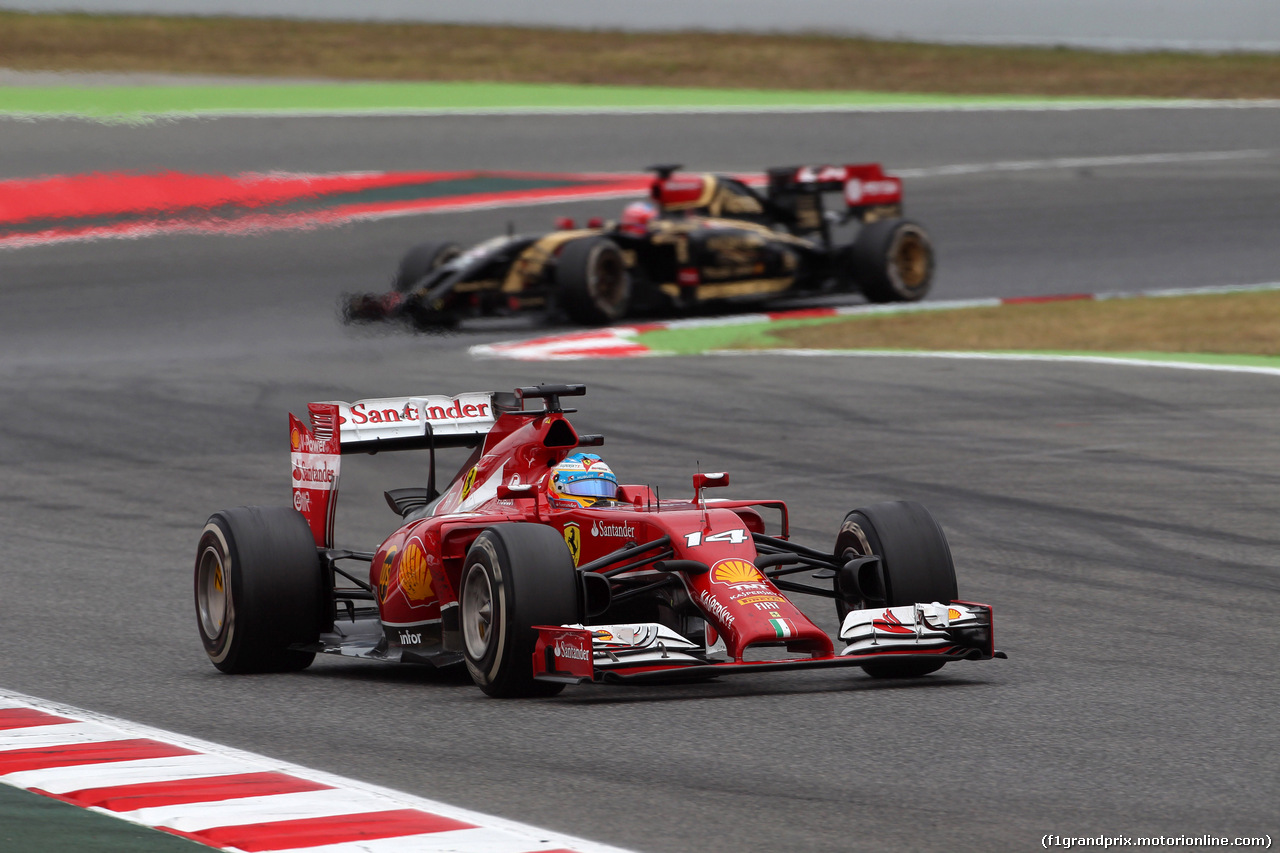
<point x="1241" y="327"/>
<point x="426" y="52"/>
<point x="127" y="102"/>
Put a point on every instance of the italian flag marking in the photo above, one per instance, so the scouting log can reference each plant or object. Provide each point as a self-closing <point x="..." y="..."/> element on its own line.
<point x="784" y="628"/>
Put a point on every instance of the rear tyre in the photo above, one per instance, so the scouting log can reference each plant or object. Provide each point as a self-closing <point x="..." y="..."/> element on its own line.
<point x="916" y="562"/>
<point x="515" y="576"/>
<point x="258" y="589"/>
<point x="593" y="282"/>
<point x="892" y="261"/>
<point x="421" y="260"/>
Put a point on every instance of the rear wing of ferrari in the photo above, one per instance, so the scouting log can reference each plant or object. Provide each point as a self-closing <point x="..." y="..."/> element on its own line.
<point x="868" y="193"/>
<point x="337" y="429"/>
<point x="410" y="423"/>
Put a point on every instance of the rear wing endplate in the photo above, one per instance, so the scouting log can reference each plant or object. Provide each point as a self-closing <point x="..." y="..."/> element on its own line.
<point x="370" y="426"/>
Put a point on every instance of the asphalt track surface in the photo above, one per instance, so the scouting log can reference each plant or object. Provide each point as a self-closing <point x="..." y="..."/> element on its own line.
<point x="1122" y="520"/>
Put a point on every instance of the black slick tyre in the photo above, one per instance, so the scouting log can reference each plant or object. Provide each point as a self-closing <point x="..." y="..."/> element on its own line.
<point x="891" y="261"/>
<point x="916" y="565"/>
<point x="514" y="576"/>
<point x="592" y="281"/>
<point x="258" y="589"/>
<point x="422" y="260"/>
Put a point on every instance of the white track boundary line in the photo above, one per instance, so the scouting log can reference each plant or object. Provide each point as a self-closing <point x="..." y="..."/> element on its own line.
<point x="1085" y="162"/>
<point x="657" y="109"/>
<point x="538" y="838"/>
<point x="995" y="356"/>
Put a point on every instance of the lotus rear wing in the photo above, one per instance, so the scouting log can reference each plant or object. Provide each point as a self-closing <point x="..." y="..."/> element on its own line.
<point x="868" y="193"/>
<point x="338" y="429"/>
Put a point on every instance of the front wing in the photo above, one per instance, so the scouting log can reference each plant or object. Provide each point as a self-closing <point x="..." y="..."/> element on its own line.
<point x="649" y="652"/>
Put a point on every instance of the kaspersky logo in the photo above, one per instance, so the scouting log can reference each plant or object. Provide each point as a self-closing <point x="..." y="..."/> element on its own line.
<point x="735" y="573"/>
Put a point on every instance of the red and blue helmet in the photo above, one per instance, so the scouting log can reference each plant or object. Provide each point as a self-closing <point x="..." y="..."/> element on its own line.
<point x="581" y="479"/>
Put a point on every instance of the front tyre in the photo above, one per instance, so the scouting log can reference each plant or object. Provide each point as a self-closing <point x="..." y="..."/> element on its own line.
<point x="258" y="589"/>
<point x="593" y="282"/>
<point x="422" y="260"/>
<point x="916" y="565"/>
<point x="892" y="261"/>
<point x="515" y="576"/>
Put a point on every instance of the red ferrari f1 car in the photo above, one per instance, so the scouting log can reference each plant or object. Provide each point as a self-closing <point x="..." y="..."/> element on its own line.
<point x="699" y="239"/>
<point x="535" y="568"/>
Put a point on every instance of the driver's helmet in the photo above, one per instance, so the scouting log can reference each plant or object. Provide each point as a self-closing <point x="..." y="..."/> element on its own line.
<point x="636" y="217"/>
<point x="582" y="479"/>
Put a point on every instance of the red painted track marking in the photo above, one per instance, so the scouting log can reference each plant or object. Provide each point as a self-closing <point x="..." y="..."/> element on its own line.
<point x="624" y="351"/>
<point x="802" y="313"/>
<point x="22" y="718"/>
<point x="127" y="798"/>
<point x="313" y="832"/>
<point x="42" y="758"/>
<point x="246" y="215"/>
<point x="104" y="194"/>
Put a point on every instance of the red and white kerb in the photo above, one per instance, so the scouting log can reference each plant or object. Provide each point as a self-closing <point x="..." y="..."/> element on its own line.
<point x="233" y="800"/>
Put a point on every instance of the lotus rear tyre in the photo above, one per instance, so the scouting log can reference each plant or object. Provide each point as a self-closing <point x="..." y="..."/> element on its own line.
<point x="892" y="261"/>
<point x="258" y="589"/>
<point x="915" y="560"/>
<point x="515" y="576"/>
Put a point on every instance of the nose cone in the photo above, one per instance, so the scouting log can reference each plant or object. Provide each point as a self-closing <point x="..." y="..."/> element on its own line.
<point x="749" y="610"/>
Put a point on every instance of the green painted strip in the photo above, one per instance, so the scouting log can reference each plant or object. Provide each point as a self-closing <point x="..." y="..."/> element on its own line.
<point x="135" y="102"/>
<point x="700" y="339"/>
<point x="31" y="823"/>
<point x="758" y="336"/>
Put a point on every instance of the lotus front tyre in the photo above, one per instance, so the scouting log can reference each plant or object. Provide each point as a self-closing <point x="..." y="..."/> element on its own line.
<point x="422" y="260"/>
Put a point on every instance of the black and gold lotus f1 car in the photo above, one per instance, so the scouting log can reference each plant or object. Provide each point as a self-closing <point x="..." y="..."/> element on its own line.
<point x="697" y="239"/>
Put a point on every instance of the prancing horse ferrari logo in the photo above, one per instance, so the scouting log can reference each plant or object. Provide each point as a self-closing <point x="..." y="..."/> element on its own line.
<point x="470" y="482"/>
<point x="573" y="538"/>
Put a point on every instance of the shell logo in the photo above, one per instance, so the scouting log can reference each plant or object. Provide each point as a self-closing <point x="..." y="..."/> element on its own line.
<point x="415" y="579"/>
<point x="952" y="613"/>
<point x="734" y="572"/>
<point x="295" y="439"/>
<point x="384" y="576"/>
